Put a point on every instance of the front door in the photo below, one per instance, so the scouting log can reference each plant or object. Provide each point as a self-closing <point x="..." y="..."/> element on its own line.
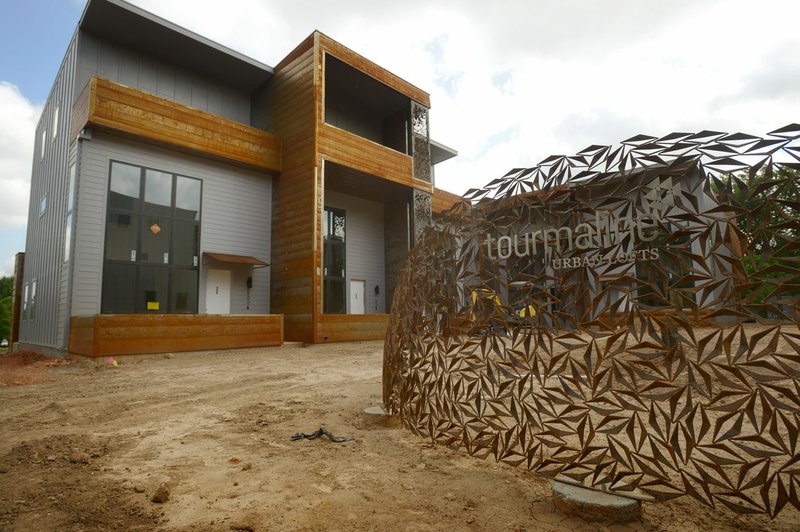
<point x="218" y="292"/>
<point x="357" y="305"/>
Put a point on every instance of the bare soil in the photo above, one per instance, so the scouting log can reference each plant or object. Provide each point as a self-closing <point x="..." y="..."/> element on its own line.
<point x="86" y="447"/>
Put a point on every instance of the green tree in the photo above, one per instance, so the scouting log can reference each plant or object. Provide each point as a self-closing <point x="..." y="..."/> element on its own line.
<point x="6" y="287"/>
<point x="5" y="317"/>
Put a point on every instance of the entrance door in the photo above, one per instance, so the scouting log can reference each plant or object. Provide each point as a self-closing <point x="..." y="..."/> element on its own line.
<point x="357" y="305"/>
<point x="218" y="292"/>
<point x="333" y="296"/>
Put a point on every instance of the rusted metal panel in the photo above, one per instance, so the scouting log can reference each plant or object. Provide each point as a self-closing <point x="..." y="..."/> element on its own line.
<point x="627" y="319"/>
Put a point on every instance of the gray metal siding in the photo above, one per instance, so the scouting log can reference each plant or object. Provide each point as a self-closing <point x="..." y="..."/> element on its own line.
<point x="45" y="235"/>
<point x="131" y="68"/>
<point x="364" y="247"/>
<point x="235" y="217"/>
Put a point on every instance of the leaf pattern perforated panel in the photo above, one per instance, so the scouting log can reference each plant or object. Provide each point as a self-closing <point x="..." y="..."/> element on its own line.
<point x="625" y="319"/>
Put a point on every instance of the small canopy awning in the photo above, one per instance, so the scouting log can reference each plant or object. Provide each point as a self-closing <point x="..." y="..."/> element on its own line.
<point x="234" y="259"/>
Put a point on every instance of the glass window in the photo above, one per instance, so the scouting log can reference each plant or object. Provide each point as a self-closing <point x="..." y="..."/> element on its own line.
<point x="119" y="288"/>
<point x="71" y="189"/>
<point x="67" y="237"/>
<point x="25" y="303"/>
<point x="152" y="292"/>
<point x="55" y="122"/>
<point x="158" y="192"/>
<point x="187" y="244"/>
<point x="33" y="301"/>
<point x="187" y="198"/>
<point x="44" y="139"/>
<point x="184" y="291"/>
<point x="152" y="241"/>
<point x="42" y="205"/>
<point x="124" y="186"/>
<point x="122" y="233"/>
<point x="155" y="240"/>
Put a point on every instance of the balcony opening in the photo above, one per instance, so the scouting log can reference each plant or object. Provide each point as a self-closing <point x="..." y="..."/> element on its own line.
<point x="362" y="105"/>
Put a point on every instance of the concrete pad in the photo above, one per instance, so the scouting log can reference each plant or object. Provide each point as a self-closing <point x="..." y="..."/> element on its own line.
<point x="594" y="505"/>
<point x="376" y="415"/>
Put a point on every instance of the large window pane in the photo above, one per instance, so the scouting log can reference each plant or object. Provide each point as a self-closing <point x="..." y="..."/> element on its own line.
<point x="119" y="288"/>
<point x="183" y="291"/>
<point x="155" y="240"/>
<point x="158" y="193"/>
<point x="152" y="241"/>
<point x="152" y="296"/>
<point x="122" y="232"/>
<point x="124" y="192"/>
<point x="187" y="199"/>
<point x="187" y="244"/>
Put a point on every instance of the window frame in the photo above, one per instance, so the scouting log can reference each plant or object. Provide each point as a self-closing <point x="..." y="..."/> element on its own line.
<point x="140" y="267"/>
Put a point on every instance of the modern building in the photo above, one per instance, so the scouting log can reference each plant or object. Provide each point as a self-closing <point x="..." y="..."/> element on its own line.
<point x="184" y="196"/>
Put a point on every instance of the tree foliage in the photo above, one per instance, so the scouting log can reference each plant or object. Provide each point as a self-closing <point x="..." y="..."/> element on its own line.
<point x="6" y="288"/>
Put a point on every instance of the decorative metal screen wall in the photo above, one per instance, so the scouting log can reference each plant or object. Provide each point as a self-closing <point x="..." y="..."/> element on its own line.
<point x="421" y="142"/>
<point x="624" y="319"/>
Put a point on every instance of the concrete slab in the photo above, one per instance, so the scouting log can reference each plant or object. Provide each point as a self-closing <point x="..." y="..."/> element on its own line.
<point x="594" y="505"/>
<point x="376" y="415"/>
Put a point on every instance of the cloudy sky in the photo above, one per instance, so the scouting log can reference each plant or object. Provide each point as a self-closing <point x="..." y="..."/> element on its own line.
<point x="511" y="81"/>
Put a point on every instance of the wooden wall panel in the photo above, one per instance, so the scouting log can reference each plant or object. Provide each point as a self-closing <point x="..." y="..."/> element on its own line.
<point x="352" y="327"/>
<point x="121" y="109"/>
<point x="442" y="200"/>
<point x="294" y="254"/>
<point x="348" y="149"/>
<point x="133" y="334"/>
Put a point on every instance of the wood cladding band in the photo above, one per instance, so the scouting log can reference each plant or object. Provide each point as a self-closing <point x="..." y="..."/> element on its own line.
<point x="114" y="107"/>
<point x="130" y="334"/>
<point x="352" y="327"/>
<point x="441" y="200"/>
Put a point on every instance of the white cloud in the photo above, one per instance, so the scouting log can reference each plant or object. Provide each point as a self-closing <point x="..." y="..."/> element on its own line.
<point x="18" y="117"/>
<point x="514" y="81"/>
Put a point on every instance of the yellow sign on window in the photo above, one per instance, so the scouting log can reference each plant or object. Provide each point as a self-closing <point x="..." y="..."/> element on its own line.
<point x="152" y="305"/>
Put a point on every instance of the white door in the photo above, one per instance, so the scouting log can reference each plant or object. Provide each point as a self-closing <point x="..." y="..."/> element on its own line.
<point x="357" y="305"/>
<point x="218" y="292"/>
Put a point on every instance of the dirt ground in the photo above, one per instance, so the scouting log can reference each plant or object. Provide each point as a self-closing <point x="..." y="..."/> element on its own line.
<point x="86" y="447"/>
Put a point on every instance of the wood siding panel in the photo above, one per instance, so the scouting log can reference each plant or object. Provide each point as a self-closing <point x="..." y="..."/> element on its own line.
<point x="442" y="200"/>
<point x="352" y="327"/>
<point x="291" y="112"/>
<point x="326" y="44"/>
<point x="132" y="112"/>
<point x="133" y="334"/>
<point x="347" y="149"/>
